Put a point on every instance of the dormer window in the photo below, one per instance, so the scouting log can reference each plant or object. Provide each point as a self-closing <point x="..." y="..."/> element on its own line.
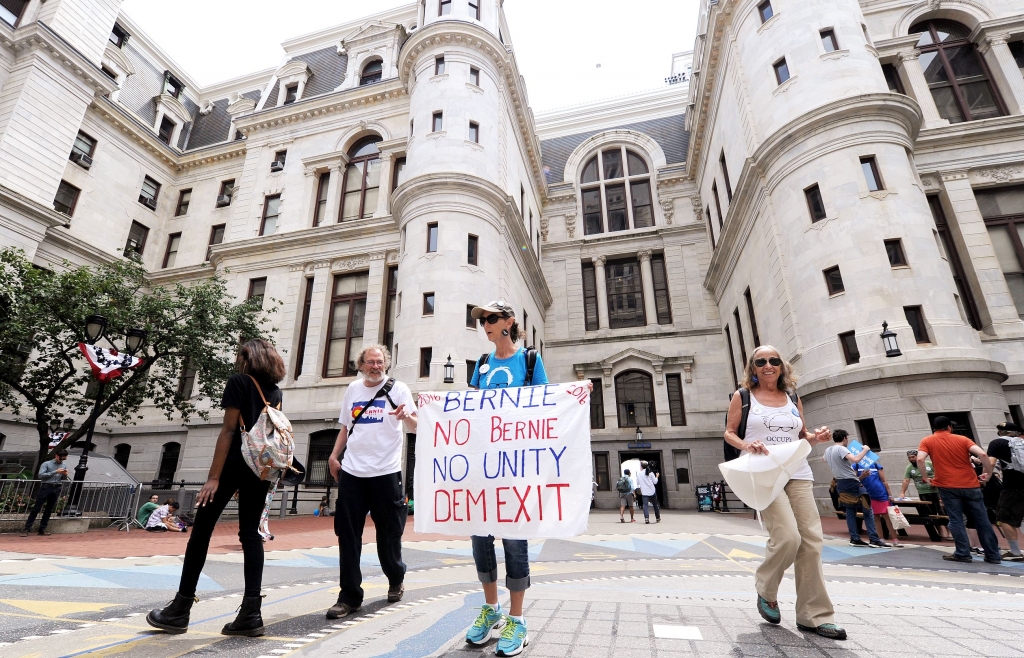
<point x="444" y="8"/>
<point x="372" y="72"/>
<point x="118" y="36"/>
<point x="11" y="10"/>
<point x="172" y="86"/>
<point x="616" y="192"/>
<point x="166" y="130"/>
<point x="291" y="94"/>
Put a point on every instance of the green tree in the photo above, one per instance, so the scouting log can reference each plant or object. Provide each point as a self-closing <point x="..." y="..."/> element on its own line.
<point x="42" y="319"/>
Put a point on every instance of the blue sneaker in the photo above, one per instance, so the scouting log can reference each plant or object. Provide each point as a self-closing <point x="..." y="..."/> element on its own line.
<point x="513" y="639"/>
<point x="488" y="621"/>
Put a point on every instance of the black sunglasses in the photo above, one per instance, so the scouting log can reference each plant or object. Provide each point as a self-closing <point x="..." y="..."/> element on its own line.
<point x="775" y="361"/>
<point x="491" y="319"/>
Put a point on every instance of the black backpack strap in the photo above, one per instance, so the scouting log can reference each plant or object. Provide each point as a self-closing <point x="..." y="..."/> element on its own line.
<point x="794" y="397"/>
<point x="741" y="431"/>
<point x="382" y="391"/>
<point x="531" y="363"/>
<point x="385" y="390"/>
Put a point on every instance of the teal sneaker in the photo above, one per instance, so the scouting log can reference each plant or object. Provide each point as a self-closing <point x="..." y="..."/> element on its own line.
<point x="488" y="621"/>
<point x="513" y="639"/>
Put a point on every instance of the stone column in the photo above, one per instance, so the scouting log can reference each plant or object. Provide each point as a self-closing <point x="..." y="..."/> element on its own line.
<point x="1004" y="70"/>
<point x="647" y="278"/>
<point x="317" y="327"/>
<point x="914" y="82"/>
<point x="602" y="293"/>
<point x="375" y="302"/>
<point x="334" y="192"/>
<point x="978" y="256"/>
<point x="387" y="160"/>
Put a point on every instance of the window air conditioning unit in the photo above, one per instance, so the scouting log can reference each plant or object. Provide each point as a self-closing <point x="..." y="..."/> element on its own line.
<point x="149" y="202"/>
<point x="223" y="200"/>
<point x="276" y="165"/>
<point x="81" y="159"/>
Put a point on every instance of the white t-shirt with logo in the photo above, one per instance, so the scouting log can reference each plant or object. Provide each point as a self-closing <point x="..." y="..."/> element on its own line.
<point x="776" y="425"/>
<point x="375" y="447"/>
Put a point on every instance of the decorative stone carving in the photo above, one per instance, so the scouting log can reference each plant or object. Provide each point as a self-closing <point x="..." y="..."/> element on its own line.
<point x="907" y="55"/>
<point x="688" y="371"/>
<point x="206" y="107"/>
<point x="954" y="174"/>
<point x="392" y="257"/>
<point x="644" y="255"/>
<point x="698" y="207"/>
<point x="599" y="261"/>
<point x="347" y="264"/>
<point x="668" y="207"/>
<point x="378" y="255"/>
<point x="545" y="224"/>
<point x="570" y="225"/>
<point x="1002" y="174"/>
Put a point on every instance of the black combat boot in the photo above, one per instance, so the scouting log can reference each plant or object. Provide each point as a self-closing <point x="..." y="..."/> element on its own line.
<point x="249" y="621"/>
<point x="173" y="618"/>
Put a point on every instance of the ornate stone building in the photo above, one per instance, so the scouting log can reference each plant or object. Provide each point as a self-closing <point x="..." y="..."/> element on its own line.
<point x="389" y="173"/>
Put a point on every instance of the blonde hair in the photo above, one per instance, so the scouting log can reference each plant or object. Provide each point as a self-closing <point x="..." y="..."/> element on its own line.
<point x="787" y="380"/>
<point x="361" y="358"/>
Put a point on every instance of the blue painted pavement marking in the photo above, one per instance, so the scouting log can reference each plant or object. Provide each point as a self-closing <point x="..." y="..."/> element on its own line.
<point x="440" y="632"/>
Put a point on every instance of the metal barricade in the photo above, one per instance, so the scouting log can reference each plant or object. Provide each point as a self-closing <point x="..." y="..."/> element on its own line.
<point x="113" y="502"/>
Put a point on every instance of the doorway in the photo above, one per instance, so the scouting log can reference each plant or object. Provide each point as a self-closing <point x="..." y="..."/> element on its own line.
<point x="654" y="459"/>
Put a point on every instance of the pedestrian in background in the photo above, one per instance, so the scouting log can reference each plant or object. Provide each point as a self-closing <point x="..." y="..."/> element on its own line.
<point x="925" y="491"/>
<point x="872" y="478"/>
<point x="1008" y="448"/>
<point x="792" y="519"/>
<point x="959" y="487"/>
<point x="143" y="514"/>
<point x="647" y="480"/>
<point x="625" y="488"/>
<point x="51" y="473"/>
<point x="848" y="485"/>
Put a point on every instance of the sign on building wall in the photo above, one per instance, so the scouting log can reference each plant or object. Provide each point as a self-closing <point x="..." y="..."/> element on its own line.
<point x="509" y="462"/>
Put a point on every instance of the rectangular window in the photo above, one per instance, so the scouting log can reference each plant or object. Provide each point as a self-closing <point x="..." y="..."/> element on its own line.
<point x="848" y="341"/>
<point x="184" y="198"/>
<point x="474" y="9"/>
<point x="216" y="237"/>
<point x="426" y="353"/>
<point x="470" y="368"/>
<point x="172" y="86"/>
<point x="470" y="322"/>
<point x="136" y="243"/>
<point x="892" y="78"/>
<point x="84" y="146"/>
<point x="676" y="408"/>
<point x="320" y="209"/>
<point x="291" y="94"/>
<point x="868" y="433"/>
<point x="718" y="204"/>
<point x="732" y="355"/>
<point x="428" y="303"/>
<point x="764" y="10"/>
<point x="661" y="300"/>
<point x="590" y="316"/>
<point x="828" y="41"/>
<point x="834" y="280"/>
<point x="257" y="290"/>
<point x="526" y="324"/>
<point x="432" y="238"/>
<point x="474" y="132"/>
<point x="444" y="8"/>
<point x="894" y="250"/>
<point x="725" y="176"/>
<point x="171" y="254"/>
<point x="227" y="191"/>
<point x="625" y="294"/>
<point x="643" y="209"/>
<point x="474" y="76"/>
<point x="118" y="36"/>
<point x="66" y="198"/>
<point x="271" y="212"/>
<point x="149" y="193"/>
<point x="522" y="202"/>
<point x="871" y="177"/>
<point x="166" y="130"/>
<point x="438" y="123"/>
<point x="781" y="70"/>
<point x="471" y="249"/>
<point x="815" y="204"/>
<point x="601" y="473"/>
<point x="307" y="305"/>
<point x="953" y="258"/>
<point x="1017" y="414"/>
<point x="279" y="160"/>
<point x="439" y="65"/>
<point x="592" y="222"/>
<point x="751" y="318"/>
<point x="739" y="336"/>
<point x="399" y="176"/>
<point x="345" y="324"/>
<point x="915" y="316"/>
<point x="1017" y="50"/>
<point x="597" y="405"/>
<point x="186" y="380"/>
<point x="391" y="308"/>
<point x="711" y="228"/>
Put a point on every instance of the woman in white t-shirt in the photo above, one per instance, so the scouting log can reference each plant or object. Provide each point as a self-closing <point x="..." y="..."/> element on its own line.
<point x="794" y="525"/>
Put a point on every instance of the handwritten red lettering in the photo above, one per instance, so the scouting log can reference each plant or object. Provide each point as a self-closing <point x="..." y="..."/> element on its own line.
<point x="558" y="492"/>
<point x="481" y="499"/>
<point x="522" y="503"/>
<point x="499" y="503"/>
<point x="447" y="506"/>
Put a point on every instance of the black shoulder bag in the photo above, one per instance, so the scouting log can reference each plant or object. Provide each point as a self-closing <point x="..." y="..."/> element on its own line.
<point x="384" y="391"/>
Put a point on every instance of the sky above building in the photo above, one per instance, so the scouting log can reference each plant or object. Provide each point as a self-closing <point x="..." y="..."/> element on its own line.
<point x="570" y="51"/>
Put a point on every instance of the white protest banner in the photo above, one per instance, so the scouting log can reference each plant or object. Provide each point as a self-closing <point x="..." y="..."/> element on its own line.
<point x="508" y="462"/>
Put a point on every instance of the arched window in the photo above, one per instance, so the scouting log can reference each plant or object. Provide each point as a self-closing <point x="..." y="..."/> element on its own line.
<point x="955" y="72"/>
<point x="121" y="453"/>
<point x="372" y="72"/>
<point x="634" y="396"/>
<point x="168" y="463"/>
<point x="362" y="180"/>
<point x="616" y="190"/>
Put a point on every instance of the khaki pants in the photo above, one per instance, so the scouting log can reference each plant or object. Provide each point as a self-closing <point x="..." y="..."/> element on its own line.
<point x="794" y="537"/>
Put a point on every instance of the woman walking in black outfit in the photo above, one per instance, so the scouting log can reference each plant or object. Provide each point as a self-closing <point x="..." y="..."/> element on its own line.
<point x="258" y="363"/>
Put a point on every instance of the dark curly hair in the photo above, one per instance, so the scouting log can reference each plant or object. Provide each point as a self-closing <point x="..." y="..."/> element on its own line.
<point x="258" y="358"/>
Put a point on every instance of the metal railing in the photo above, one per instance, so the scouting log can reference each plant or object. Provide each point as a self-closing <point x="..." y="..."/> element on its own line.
<point x="114" y="502"/>
<point x="286" y="500"/>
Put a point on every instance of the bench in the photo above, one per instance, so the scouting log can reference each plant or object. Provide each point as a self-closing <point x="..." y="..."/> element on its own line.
<point x="930" y="522"/>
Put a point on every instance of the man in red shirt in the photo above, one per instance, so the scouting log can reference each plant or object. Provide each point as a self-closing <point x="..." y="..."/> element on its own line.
<point x="959" y="487"/>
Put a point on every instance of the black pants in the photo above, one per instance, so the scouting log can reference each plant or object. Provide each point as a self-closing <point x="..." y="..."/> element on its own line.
<point x="382" y="497"/>
<point x="252" y="496"/>
<point x="47" y="494"/>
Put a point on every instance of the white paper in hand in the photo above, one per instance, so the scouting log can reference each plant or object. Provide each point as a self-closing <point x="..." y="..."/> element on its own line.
<point x="758" y="479"/>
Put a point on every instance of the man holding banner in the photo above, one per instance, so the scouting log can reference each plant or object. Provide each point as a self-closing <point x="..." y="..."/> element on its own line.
<point x="510" y="459"/>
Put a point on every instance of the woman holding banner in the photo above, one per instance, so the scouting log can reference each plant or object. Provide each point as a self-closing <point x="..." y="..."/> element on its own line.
<point x="774" y="416"/>
<point x="506" y="367"/>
